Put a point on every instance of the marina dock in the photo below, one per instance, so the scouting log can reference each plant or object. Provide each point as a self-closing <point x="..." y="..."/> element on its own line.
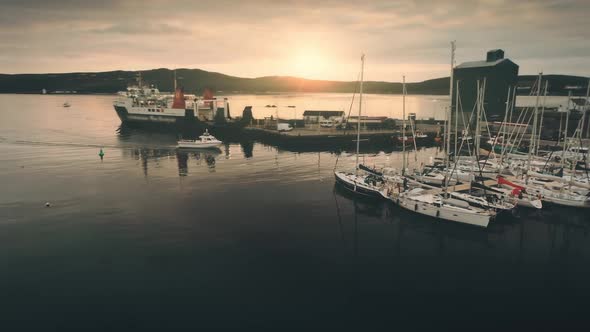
<point x="307" y="138"/>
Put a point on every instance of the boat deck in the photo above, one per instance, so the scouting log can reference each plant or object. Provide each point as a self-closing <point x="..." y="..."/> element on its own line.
<point x="466" y="186"/>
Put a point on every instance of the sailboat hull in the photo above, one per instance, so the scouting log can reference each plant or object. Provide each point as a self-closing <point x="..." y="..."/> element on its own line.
<point x="445" y="213"/>
<point x="358" y="187"/>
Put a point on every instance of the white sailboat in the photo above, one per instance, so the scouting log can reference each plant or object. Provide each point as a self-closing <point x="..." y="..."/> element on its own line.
<point x="432" y="202"/>
<point x="560" y="195"/>
<point x="435" y="177"/>
<point x="370" y="183"/>
<point x="516" y="195"/>
<point x="434" y="205"/>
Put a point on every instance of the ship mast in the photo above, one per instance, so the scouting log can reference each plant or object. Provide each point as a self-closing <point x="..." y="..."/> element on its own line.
<point x="358" y="127"/>
<point x="503" y="129"/>
<point x="174" y="79"/>
<point x="139" y="82"/>
<point x="586" y="109"/>
<point x="567" y="116"/>
<point x="542" y="115"/>
<point x="450" y="112"/>
<point x="404" y="125"/>
<point x="448" y="121"/>
<point x="534" y="133"/>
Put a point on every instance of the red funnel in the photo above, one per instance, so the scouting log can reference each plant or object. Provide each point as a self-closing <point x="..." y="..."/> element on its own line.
<point x="179" y="99"/>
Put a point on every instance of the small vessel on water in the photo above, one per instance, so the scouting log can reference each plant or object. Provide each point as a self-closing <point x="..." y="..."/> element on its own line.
<point x="205" y="141"/>
<point x="418" y="135"/>
<point x="66" y="104"/>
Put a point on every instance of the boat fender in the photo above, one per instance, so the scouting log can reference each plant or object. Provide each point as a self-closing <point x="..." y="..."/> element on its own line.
<point x="416" y="207"/>
<point x="437" y="213"/>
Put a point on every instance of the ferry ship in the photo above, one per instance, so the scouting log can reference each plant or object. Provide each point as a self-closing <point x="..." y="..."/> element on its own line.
<point x="141" y="104"/>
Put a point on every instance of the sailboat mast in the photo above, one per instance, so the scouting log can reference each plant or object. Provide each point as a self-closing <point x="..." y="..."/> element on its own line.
<point x="403" y="125"/>
<point x="585" y="111"/>
<point x="535" y="115"/>
<point x="450" y="110"/>
<point x="358" y="127"/>
<point x="542" y="116"/>
<point x="475" y="149"/>
<point x="456" y="118"/>
<point x="503" y="129"/>
<point x="481" y="93"/>
<point x="567" y="117"/>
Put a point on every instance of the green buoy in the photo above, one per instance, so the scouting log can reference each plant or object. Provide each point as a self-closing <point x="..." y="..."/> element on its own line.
<point x="101" y="154"/>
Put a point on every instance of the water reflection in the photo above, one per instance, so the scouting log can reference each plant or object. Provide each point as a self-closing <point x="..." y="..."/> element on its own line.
<point x="167" y="138"/>
<point x="551" y="235"/>
<point x="247" y="148"/>
<point x="144" y="155"/>
<point x="151" y="157"/>
<point x="208" y="156"/>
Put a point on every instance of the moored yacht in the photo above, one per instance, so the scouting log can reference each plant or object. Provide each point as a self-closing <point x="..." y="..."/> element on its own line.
<point x="432" y="204"/>
<point x="370" y="182"/>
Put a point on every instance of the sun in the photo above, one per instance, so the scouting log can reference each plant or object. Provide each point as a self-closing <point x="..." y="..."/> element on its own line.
<point x="309" y="63"/>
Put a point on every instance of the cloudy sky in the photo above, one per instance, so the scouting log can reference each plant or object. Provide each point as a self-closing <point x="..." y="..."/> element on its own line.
<point x="314" y="39"/>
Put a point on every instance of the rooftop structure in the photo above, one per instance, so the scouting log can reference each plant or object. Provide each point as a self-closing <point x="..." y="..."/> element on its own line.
<point x="499" y="74"/>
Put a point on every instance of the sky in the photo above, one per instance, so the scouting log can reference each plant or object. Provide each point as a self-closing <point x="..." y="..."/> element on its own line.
<point x="313" y="39"/>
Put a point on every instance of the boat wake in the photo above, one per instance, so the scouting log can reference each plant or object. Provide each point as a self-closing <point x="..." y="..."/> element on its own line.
<point x="88" y="145"/>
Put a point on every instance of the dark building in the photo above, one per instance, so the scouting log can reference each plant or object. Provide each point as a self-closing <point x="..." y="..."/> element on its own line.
<point x="499" y="73"/>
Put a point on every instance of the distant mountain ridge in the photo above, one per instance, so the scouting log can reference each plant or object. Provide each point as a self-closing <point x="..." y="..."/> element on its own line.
<point x="197" y="80"/>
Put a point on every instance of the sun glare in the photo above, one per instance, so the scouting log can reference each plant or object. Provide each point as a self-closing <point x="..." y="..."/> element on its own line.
<point x="309" y="64"/>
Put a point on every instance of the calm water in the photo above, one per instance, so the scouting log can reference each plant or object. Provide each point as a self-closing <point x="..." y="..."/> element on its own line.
<point x="249" y="237"/>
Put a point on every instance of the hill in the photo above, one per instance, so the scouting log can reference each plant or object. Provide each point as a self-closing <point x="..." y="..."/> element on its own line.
<point x="196" y="80"/>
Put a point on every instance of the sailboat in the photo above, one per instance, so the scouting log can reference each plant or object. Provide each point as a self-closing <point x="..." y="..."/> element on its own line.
<point x="560" y="195"/>
<point x="433" y="203"/>
<point x="370" y="182"/>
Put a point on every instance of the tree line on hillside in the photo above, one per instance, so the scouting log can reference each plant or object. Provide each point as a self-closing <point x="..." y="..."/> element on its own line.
<point x="196" y="81"/>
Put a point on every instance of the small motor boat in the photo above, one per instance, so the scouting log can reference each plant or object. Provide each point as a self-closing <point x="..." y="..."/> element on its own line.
<point x="66" y="104"/>
<point x="205" y="141"/>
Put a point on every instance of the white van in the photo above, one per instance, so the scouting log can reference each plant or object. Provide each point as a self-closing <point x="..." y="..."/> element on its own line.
<point x="284" y="127"/>
<point x="326" y="123"/>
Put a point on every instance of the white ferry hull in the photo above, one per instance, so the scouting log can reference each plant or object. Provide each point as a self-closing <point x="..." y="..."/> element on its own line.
<point x="144" y="115"/>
